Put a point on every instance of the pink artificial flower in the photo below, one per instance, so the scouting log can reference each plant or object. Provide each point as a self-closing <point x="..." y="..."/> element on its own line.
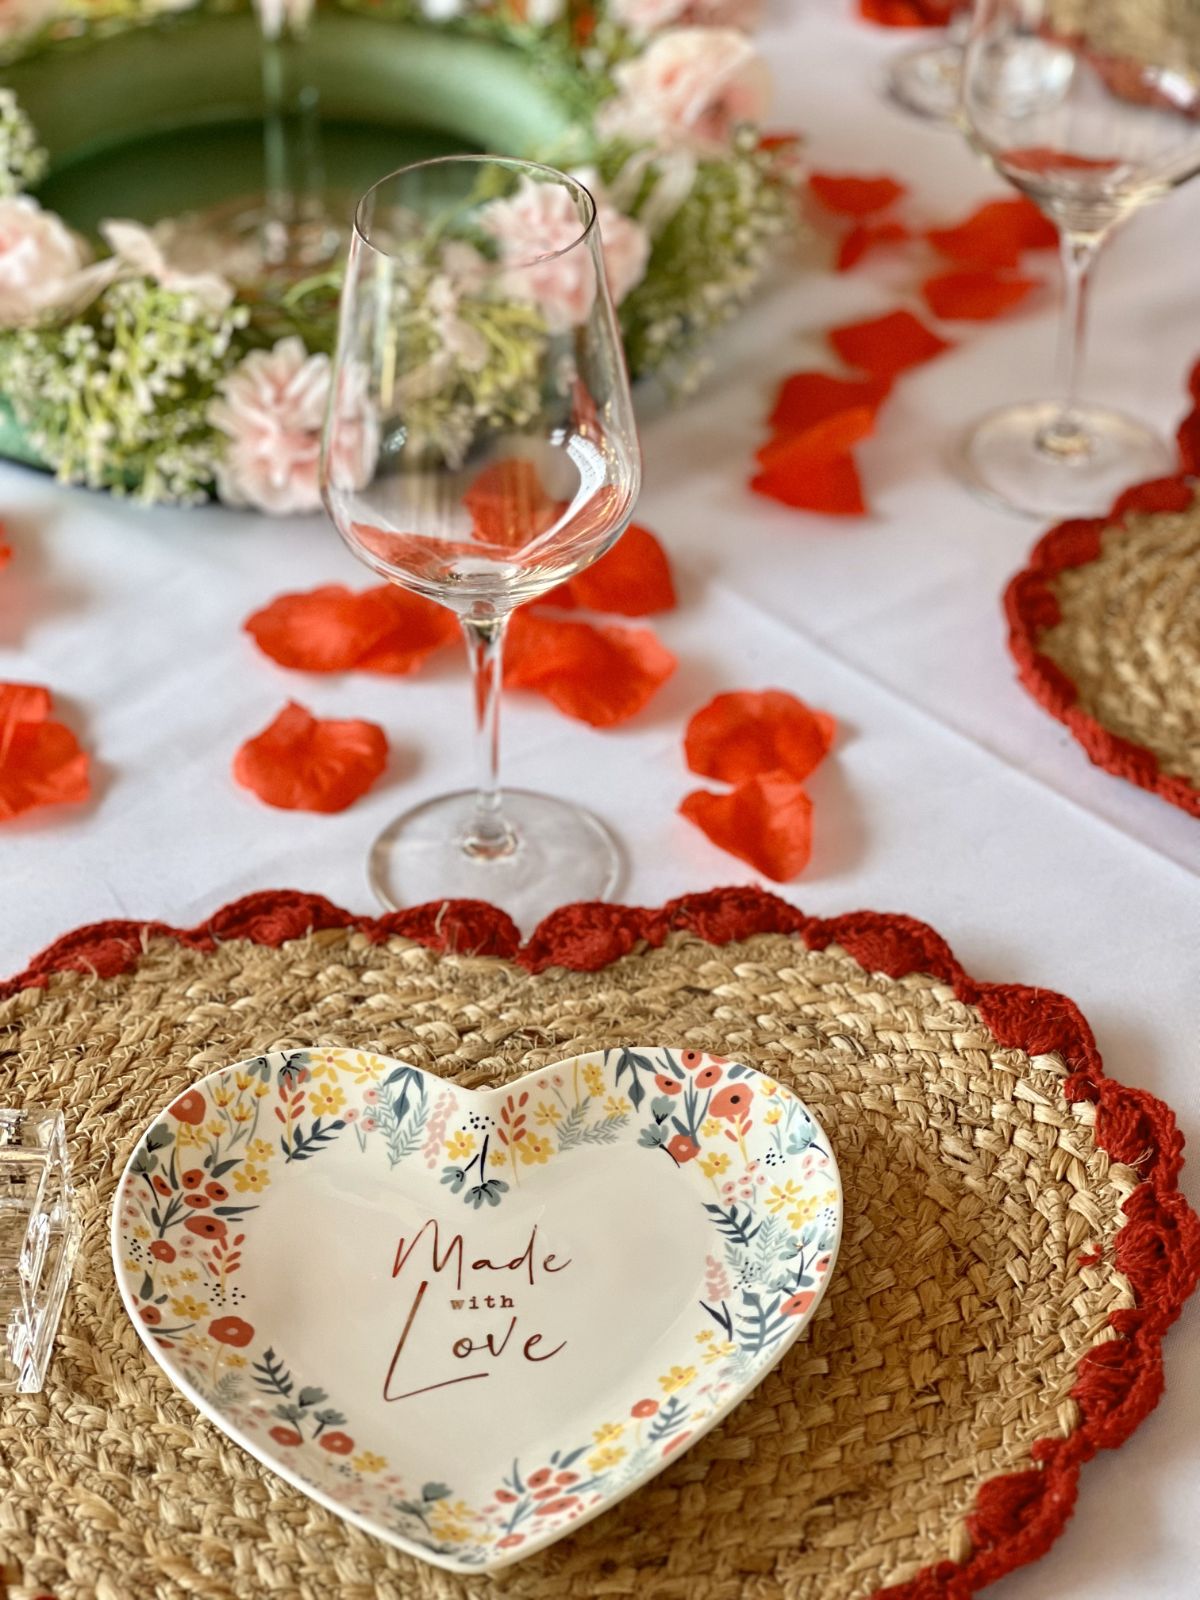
<point x="140" y="251"/>
<point x="535" y="229"/>
<point x="690" y="89"/>
<point x="272" y="407"/>
<point x="623" y="240"/>
<point x="43" y="266"/>
<point x="18" y="17"/>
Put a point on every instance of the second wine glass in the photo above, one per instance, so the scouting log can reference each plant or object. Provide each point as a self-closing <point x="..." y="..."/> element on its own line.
<point x="1092" y="110"/>
<point x="481" y="449"/>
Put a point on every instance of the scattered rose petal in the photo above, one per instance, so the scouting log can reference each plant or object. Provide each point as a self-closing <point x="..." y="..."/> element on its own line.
<point x="974" y="295"/>
<point x="823" y="441"/>
<point x="633" y="579"/>
<point x="41" y="763"/>
<point x="766" y="821"/>
<point x="850" y="196"/>
<point x="864" y="237"/>
<point x="887" y="345"/>
<point x="996" y="234"/>
<point x="1188" y="439"/>
<point x="832" y="487"/>
<point x="509" y="504"/>
<point x="908" y="13"/>
<point x="809" y="397"/>
<point x="301" y="764"/>
<point x="600" y="675"/>
<point x="335" y="629"/>
<point x="5" y="550"/>
<point x="747" y="733"/>
<point x="1194" y="383"/>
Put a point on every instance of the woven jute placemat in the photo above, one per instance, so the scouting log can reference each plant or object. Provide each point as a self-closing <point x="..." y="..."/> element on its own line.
<point x="1015" y="1247"/>
<point x="1104" y="624"/>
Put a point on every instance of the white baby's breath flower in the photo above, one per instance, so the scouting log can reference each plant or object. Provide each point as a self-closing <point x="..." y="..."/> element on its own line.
<point x="143" y="252"/>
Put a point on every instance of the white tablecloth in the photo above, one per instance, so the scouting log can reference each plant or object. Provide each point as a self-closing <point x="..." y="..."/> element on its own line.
<point x="951" y="795"/>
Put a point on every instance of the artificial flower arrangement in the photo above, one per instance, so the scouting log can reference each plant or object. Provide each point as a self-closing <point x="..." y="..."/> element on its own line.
<point x="125" y="370"/>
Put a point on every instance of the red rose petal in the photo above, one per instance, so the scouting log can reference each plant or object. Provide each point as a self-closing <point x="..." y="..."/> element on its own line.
<point x="509" y="504"/>
<point x="1194" y="383"/>
<point x="887" y="345"/>
<point x="1041" y="159"/>
<point x="633" y="579"/>
<point x="832" y="487"/>
<point x="301" y="764"/>
<point x="5" y="550"/>
<point x="834" y="436"/>
<point x="974" y="295"/>
<point x="748" y="733"/>
<point x="908" y="13"/>
<point x="996" y="234"/>
<point x="864" y="237"/>
<point x="809" y="397"/>
<point x="601" y="676"/>
<point x="850" y="196"/>
<point x="335" y="629"/>
<point x="1188" y="438"/>
<point x="41" y="763"/>
<point x="766" y="821"/>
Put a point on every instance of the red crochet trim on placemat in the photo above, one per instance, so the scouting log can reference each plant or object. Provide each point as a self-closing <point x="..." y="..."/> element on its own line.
<point x="1032" y="608"/>
<point x="1018" y="1516"/>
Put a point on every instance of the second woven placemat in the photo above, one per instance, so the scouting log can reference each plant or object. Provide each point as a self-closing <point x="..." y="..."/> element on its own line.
<point x="1006" y="1276"/>
<point x="1104" y="624"/>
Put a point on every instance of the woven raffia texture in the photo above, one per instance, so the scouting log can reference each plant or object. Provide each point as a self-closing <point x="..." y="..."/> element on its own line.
<point x="977" y="1267"/>
<point x="1130" y="635"/>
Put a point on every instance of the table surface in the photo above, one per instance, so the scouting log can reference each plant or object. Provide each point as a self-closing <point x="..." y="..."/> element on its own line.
<point x="951" y="796"/>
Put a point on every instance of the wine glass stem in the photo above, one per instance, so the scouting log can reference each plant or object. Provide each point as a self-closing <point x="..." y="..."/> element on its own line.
<point x="489" y="837"/>
<point x="1066" y="437"/>
<point x="291" y="142"/>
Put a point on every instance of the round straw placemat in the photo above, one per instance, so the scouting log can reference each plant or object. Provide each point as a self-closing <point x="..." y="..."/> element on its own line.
<point x="1015" y="1246"/>
<point x="1104" y="624"/>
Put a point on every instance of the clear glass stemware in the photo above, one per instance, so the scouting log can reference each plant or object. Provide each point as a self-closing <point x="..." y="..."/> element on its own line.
<point x="1092" y="109"/>
<point x="480" y="449"/>
<point x="926" y="79"/>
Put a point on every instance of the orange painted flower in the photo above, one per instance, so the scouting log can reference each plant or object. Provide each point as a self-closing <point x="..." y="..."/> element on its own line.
<point x="287" y="1436"/>
<point x="206" y="1227"/>
<point x="682" y="1149"/>
<point x="732" y="1102"/>
<point x="151" y="1315"/>
<point x="189" y="1108"/>
<point x="231" y="1330"/>
<point x="798" y="1304"/>
<point x="192" y="1178"/>
<point x="338" y="1444"/>
<point x="538" y="1478"/>
<point x="667" y="1085"/>
<point x="162" y="1251"/>
<point x="643" y="1408"/>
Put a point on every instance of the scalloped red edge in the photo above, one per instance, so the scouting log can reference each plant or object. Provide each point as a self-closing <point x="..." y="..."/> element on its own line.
<point x="1016" y="1517"/>
<point x="1032" y="608"/>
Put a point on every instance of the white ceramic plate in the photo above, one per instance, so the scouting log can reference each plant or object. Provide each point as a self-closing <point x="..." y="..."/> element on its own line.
<point x="468" y="1320"/>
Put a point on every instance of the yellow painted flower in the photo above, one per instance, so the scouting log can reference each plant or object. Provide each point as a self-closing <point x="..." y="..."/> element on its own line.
<point x="616" y="1105"/>
<point x="250" y="1179"/>
<point x="704" y="1336"/>
<point x="367" y="1070"/>
<point x="716" y="1163"/>
<point x="141" y="1232"/>
<point x="242" y="1113"/>
<point x="546" y="1113"/>
<point x="710" y="1127"/>
<point x="260" y="1150"/>
<point x="498" y="1157"/>
<point x="609" y="1432"/>
<point x="132" y="1266"/>
<point x="773" y="1115"/>
<point x="677" y="1378"/>
<point x="187" y="1275"/>
<point x="214" y="1129"/>
<point x="222" y="1095"/>
<point x="718" y="1351"/>
<point x="326" y="1102"/>
<point x="460" y="1145"/>
<point x="600" y="1460"/>
<point x="804" y="1212"/>
<point x="368" y="1461"/>
<point x="535" y="1152"/>
<point x="782" y="1196"/>
<point x="187" y="1137"/>
<point x="242" y="1079"/>
<point x="187" y="1306"/>
<point x="449" y="1532"/>
<point x="233" y="1360"/>
<point x="594" y="1079"/>
<point x="768" y="1087"/>
<point x="260" y="1089"/>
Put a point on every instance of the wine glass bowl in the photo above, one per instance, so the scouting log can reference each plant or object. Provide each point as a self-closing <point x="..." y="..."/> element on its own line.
<point x="480" y="449"/>
<point x="1092" y="111"/>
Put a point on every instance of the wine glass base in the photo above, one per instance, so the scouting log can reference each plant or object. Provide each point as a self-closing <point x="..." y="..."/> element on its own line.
<point x="925" y="81"/>
<point x="1002" y="459"/>
<point x="562" y="854"/>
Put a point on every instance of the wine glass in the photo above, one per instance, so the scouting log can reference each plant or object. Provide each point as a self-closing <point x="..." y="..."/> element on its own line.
<point x="481" y="448"/>
<point x="1092" y="110"/>
<point x="926" y="79"/>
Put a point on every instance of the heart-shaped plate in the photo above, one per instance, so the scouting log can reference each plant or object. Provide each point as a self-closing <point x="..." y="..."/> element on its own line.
<point x="329" y="1251"/>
